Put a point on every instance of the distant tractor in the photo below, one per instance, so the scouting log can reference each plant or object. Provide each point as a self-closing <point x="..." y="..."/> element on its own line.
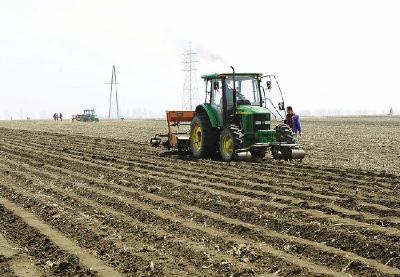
<point x="87" y="116"/>
<point x="233" y="119"/>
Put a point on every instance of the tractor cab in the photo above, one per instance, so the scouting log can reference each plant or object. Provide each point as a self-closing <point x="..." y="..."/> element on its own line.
<point x="224" y="95"/>
<point x="88" y="112"/>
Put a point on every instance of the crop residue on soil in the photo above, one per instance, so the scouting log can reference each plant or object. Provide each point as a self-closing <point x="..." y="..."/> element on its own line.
<point x="145" y="211"/>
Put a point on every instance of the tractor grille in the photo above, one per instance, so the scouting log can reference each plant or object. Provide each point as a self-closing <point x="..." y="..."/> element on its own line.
<point x="262" y="122"/>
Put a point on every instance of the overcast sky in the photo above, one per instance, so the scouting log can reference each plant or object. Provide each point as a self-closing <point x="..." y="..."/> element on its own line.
<point x="56" y="56"/>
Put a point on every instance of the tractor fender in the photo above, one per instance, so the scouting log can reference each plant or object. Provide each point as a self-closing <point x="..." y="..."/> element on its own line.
<point x="206" y="108"/>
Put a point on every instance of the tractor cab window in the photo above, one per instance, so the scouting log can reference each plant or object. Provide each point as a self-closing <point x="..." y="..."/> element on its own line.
<point x="216" y="99"/>
<point x="247" y="88"/>
<point x="216" y="93"/>
<point x="208" y="91"/>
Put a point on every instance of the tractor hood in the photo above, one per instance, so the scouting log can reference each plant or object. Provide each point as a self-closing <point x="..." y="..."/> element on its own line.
<point x="247" y="109"/>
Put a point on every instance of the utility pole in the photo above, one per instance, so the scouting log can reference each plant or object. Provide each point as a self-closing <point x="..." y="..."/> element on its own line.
<point x="113" y="84"/>
<point x="190" y="96"/>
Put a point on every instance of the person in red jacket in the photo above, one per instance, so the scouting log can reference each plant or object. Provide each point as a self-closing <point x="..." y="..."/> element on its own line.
<point x="293" y="121"/>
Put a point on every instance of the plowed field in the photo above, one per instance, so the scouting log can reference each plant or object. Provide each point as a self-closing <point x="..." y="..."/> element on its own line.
<point x="96" y="199"/>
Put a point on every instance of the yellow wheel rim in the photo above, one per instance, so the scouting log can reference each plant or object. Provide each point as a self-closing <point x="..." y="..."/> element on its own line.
<point x="196" y="137"/>
<point x="227" y="145"/>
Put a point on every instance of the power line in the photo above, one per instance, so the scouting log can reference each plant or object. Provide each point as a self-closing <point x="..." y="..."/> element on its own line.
<point x="190" y="96"/>
<point x="113" y="84"/>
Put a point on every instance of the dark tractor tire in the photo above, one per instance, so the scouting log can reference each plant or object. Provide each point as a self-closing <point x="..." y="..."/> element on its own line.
<point x="276" y="154"/>
<point x="257" y="154"/>
<point x="203" y="137"/>
<point x="285" y="134"/>
<point x="230" y="140"/>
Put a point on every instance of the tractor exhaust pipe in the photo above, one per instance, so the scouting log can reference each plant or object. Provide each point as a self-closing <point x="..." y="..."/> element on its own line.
<point x="234" y="90"/>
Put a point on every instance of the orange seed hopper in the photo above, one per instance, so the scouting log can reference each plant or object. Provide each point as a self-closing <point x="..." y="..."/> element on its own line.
<point x="176" y="137"/>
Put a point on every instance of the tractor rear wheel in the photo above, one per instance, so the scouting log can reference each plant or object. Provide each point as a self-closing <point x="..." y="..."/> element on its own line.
<point x="203" y="137"/>
<point x="230" y="140"/>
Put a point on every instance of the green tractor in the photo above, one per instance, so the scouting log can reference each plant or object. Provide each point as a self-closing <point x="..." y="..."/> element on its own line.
<point x="88" y="116"/>
<point x="235" y="119"/>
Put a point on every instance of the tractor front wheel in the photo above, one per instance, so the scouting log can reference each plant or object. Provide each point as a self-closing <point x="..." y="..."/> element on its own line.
<point x="230" y="140"/>
<point x="203" y="138"/>
<point x="285" y="134"/>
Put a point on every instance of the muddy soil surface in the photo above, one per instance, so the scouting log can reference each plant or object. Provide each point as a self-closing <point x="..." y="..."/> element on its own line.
<point x="92" y="200"/>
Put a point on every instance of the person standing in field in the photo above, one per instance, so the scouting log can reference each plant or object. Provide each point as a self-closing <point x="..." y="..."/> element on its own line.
<point x="55" y="116"/>
<point x="293" y="121"/>
<point x="61" y="116"/>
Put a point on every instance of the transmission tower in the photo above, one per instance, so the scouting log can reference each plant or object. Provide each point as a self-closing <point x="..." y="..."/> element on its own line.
<point x="190" y="96"/>
<point x="113" y="87"/>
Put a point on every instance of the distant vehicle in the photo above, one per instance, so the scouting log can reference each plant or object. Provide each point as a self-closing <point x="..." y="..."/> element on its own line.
<point x="87" y="116"/>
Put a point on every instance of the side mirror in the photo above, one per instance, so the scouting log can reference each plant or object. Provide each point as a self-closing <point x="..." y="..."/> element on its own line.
<point x="269" y="86"/>
<point x="281" y="106"/>
<point x="263" y="100"/>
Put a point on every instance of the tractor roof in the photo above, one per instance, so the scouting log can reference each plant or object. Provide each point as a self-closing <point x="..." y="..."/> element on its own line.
<point x="221" y="75"/>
